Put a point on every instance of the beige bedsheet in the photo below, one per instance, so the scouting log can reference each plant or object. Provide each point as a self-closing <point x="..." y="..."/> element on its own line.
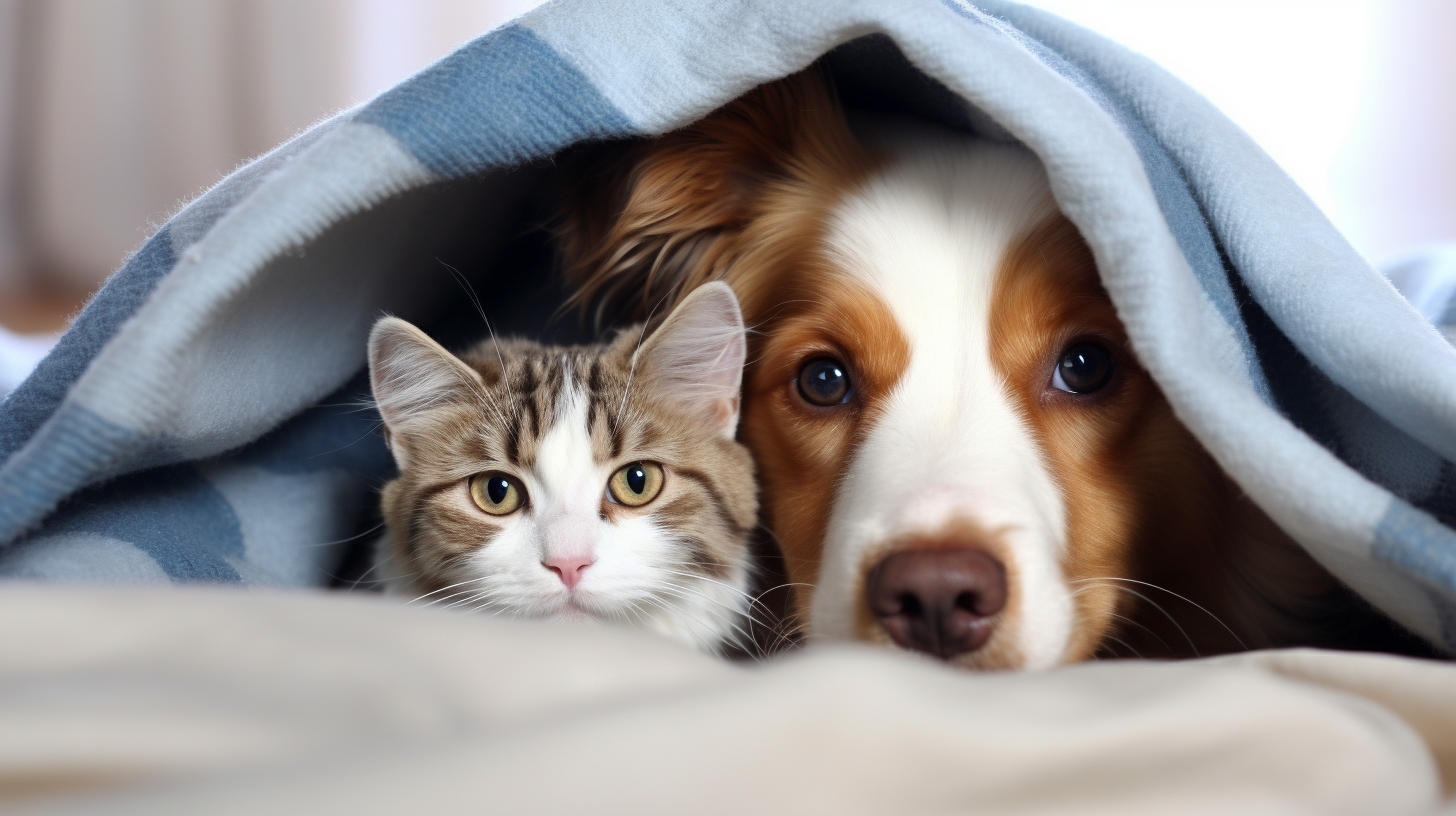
<point x="218" y="701"/>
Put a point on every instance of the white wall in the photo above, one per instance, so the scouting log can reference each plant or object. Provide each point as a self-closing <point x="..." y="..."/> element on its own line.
<point x="1356" y="99"/>
<point x="1393" y="186"/>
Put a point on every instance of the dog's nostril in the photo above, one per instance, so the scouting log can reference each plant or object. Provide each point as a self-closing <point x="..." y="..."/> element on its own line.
<point x="940" y="601"/>
<point x="910" y="606"/>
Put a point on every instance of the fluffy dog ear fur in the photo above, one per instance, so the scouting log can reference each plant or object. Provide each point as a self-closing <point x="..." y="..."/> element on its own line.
<point x="648" y="222"/>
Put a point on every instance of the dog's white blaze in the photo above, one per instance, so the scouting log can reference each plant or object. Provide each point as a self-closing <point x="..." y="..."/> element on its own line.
<point x="927" y="234"/>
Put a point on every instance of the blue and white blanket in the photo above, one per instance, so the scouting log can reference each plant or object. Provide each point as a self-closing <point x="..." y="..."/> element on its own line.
<point x="201" y="420"/>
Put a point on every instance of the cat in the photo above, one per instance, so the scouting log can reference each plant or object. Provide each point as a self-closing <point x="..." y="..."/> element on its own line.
<point x="577" y="483"/>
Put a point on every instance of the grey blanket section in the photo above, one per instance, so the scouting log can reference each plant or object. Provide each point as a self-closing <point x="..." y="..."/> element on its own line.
<point x="203" y="419"/>
<point x="209" y="700"/>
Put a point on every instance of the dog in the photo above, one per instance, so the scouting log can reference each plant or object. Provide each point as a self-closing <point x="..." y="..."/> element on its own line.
<point x="960" y="454"/>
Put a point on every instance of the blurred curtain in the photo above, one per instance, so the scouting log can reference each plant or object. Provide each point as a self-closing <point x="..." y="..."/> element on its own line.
<point x="127" y="108"/>
<point x="10" y="249"/>
<point x="115" y="112"/>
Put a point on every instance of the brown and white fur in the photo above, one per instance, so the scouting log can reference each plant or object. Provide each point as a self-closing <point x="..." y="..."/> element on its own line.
<point x="938" y="270"/>
<point x="557" y="423"/>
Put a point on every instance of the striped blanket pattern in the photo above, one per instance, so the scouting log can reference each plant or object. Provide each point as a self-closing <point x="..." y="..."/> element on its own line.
<point x="202" y="419"/>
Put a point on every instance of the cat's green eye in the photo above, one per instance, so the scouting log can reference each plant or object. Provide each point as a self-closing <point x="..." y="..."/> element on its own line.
<point x="636" y="484"/>
<point x="497" y="493"/>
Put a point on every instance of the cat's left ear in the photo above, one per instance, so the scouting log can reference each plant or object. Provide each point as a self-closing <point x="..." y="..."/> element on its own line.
<point x="694" y="360"/>
<point x="411" y="375"/>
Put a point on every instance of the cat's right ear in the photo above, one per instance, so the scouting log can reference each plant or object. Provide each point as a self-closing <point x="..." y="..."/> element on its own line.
<point x="411" y="375"/>
<point x="694" y="361"/>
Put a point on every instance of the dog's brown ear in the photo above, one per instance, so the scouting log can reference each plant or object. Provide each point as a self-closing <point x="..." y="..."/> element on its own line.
<point x="647" y="222"/>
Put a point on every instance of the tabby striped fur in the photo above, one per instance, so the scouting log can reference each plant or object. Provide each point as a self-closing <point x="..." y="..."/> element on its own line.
<point x="561" y="420"/>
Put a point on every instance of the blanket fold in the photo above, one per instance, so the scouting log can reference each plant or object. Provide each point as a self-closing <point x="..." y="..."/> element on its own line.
<point x="124" y="701"/>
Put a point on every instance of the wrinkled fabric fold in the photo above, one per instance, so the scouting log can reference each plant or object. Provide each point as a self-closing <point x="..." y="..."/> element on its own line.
<point x="226" y="701"/>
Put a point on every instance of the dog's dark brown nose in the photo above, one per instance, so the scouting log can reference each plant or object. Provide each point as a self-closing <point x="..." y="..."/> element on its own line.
<point x="941" y="602"/>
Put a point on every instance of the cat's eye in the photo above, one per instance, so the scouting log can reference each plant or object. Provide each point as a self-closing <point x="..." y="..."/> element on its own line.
<point x="497" y="493"/>
<point x="824" y="381"/>
<point x="636" y="484"/>
<point x="1083" y="368"/>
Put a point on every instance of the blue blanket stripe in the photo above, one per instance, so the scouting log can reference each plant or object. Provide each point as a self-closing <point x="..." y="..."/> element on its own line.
<point x="81" y="444"/>
<point x="176" y="517"/>
<point x="1422" y="547"/>
<point x="504" y="99"/>
<point x="171" y="514"/>
<point x="26" y="408"/>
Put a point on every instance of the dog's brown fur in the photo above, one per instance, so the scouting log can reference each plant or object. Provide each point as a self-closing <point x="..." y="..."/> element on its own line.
<point x="1168" y="557"/>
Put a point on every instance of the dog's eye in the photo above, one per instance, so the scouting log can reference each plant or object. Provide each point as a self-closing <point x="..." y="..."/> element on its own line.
<point x="497" y="493"/>
<point x="824" y="381"/>
<point x="1083" y="368"/>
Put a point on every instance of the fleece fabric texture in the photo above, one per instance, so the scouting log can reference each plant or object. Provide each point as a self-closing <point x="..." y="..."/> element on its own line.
<point x="201" y="420"/>
<point x="135" y="702"/>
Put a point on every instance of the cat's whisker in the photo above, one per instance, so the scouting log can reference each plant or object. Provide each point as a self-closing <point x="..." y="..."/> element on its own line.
<point x="464" y="283"/>
<point x="510" y="400"/>
<point x="379" y="565"/>
<point x="632" y="366"/>
<point x="354" y="537"/>
<point x="441" y="599"/>
<point x="631" y="375"/>
<point x="485" y="607"/>
<point x="637" y="611"/>
<point x="774" y="624"/>
<point x="446" y="589"/>
<point x="737" y="614"/>
<point x="488" y="593"/>
<point x="754" y="601"/>
<point x="470" y="598"/>
<point x="700" y="577"/>
<point x="372" y="430"/>
<point x="363" y="578"/>
<point x="736" y="633"/>
<point x="781" y="639"/>
<point x="468" y="594"/>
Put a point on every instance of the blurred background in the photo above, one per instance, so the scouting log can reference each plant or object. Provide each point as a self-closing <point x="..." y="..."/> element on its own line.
<point x="114" y="113"/>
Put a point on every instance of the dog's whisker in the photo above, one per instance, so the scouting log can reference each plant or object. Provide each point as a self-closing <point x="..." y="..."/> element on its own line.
<point x="1183" y="598"/>
<point x="1166" y="648"/>
<point x="1125" y="645"/>
<point x="1165" y="613"/>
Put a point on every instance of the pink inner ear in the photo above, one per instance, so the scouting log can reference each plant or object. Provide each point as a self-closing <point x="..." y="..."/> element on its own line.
<point x="725" y="413"/>
<point x="695" y="359"/>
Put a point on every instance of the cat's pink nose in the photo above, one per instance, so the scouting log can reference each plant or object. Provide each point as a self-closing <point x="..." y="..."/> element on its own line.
<point x="569" y="568"/>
